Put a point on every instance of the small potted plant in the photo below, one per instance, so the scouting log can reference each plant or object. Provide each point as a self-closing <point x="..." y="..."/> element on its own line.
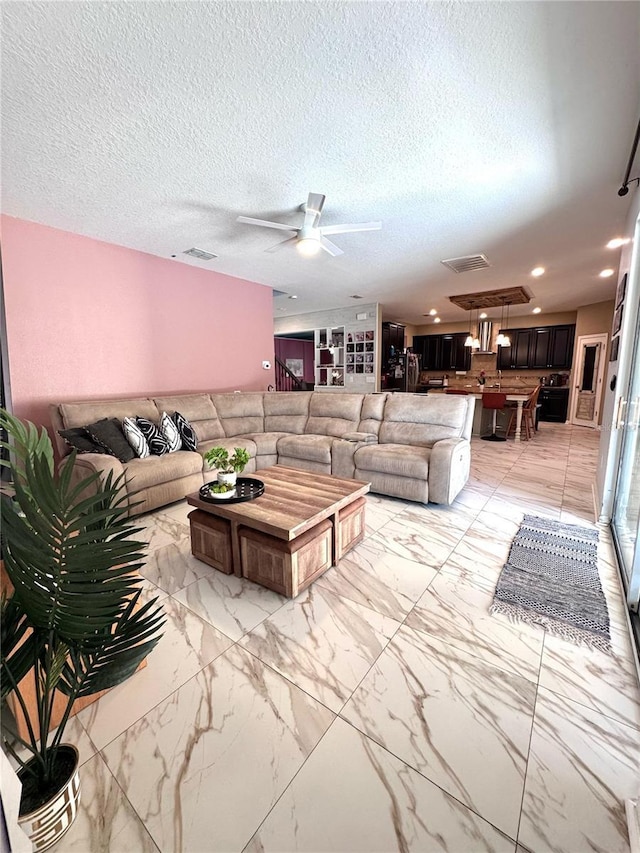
<point x="228" y="466"/>
<point x="71" y="622"/>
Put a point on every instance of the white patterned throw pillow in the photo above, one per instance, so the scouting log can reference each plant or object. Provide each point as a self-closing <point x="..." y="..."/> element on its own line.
<point x="170" y="432"/>
<point x="136" y="439"/>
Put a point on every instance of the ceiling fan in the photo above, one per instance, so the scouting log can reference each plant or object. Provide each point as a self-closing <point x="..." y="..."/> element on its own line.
<point x="310" y="237"/>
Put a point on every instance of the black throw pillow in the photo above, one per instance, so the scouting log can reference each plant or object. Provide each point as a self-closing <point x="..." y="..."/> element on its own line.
<point x="187" y="433"/>
<point x="79" y="438"/>
<point x="109" y="435"/>
<point x="158" y="444"/>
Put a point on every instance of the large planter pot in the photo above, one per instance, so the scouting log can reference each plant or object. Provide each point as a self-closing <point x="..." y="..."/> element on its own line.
<point x="46" y="824"/>
<point x="229" y="479"/>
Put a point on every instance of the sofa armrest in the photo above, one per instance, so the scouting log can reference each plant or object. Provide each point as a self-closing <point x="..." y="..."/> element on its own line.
<point x="449" y="466"/>
<point x="343" y="451"/>
<point x="362" y="437"/>
<point x="94" y="463"/>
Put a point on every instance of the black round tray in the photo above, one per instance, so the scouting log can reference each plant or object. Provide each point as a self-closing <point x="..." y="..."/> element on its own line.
<point x="247" y="488"/>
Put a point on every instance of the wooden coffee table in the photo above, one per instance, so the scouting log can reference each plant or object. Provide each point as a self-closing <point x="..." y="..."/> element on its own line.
<point x="302" y="524"/>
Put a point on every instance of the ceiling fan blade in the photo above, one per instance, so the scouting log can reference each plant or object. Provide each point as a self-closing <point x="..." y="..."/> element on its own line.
<point x="313" y="209"/>
<point x="357" y="226"/>
<point x="330" y="247"/>
<point x="279" y="246"/>
<point x="265" y="223"/>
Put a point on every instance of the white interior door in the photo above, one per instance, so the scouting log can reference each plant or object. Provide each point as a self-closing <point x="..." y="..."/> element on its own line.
<point x="588" y="380"/>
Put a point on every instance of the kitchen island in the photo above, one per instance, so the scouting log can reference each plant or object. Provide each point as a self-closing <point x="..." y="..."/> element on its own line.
<point x="514" y="395"/>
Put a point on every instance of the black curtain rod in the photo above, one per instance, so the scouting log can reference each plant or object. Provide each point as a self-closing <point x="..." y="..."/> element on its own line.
<point x="624" y="189"/>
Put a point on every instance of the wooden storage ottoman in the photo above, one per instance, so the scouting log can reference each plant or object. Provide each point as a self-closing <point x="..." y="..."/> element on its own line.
<point x="211" y="540"/>
<point x="351" y="526"/>
<point x="287" y="567"/>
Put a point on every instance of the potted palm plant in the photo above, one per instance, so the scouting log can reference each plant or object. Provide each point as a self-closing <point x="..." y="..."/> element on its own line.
<point x="73" y="623"/>
<point x="228" y="466"/>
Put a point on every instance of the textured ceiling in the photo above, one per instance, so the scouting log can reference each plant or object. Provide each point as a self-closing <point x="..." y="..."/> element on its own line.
<point x="495" y="128"/>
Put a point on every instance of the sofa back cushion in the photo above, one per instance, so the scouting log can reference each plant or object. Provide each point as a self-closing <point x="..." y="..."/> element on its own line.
<point x="372" y="413"/>
<point x="240" y="414"/>
<point x="198" y="409"/>
<point x="333" y="413"/>
<point x="88" y="411"/>
<point x="83" y="412"/>
<point x="421" y="420"/>
<point x="286" y="411"/>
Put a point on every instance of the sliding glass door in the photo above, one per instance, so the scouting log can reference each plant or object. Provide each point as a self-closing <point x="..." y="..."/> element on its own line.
<point x="626" y="508"/>
<point x="626" y="517"/>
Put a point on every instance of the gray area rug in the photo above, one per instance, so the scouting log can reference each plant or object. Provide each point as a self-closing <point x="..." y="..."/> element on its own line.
<point x="551" y="579"/>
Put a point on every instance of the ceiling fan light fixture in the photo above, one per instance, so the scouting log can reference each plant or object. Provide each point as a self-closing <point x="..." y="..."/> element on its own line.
<point x="308" y="246"/>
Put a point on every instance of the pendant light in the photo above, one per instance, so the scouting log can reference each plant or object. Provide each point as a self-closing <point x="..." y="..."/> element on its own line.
<point x="503" y="340"/>
<point x="469" y="339"/>
<point x="475" y="343"/>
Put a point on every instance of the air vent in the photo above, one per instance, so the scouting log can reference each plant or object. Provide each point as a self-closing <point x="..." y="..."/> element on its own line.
<point x="356" y="297"/>
<point x="467" y="264"/>
<point x="200" y="254"/>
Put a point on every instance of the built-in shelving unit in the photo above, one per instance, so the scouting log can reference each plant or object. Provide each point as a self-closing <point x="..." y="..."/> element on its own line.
<point x="345" y="356"/>
<point x="330" y="357"/>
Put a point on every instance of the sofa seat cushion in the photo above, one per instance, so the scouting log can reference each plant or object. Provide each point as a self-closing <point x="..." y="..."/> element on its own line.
<point x="314" y="448"/>
<point x="143" y="473"/>
<point x="399" y="459"/>
<point x="266" y="442"/>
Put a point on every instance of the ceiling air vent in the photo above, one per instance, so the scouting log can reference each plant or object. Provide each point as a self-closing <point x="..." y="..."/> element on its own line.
<point x="355" y="296"/>
<point x="200" y="254"/>
<point x="467" y="263"/>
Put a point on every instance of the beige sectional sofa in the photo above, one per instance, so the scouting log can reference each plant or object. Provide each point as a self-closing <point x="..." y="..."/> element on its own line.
<point x="409" y="446"/>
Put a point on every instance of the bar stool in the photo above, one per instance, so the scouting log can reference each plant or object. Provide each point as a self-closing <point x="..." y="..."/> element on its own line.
<point x="493" y="402"/>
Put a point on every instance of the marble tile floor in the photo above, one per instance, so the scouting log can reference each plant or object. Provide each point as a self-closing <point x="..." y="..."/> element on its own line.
<point x="383" y="709"/>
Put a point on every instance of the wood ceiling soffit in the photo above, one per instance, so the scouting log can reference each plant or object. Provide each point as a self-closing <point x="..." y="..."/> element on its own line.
<point x="492" y="298"/>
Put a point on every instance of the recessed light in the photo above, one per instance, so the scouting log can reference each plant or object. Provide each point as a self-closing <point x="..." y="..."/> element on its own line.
<point x="436" y="319"/>
<point x="606" y="273"/>
<point x="537" y="310"/>
<point x="536" y="272"/>
<point x="293" y="296"/>
<point x="433" y="312"/>
<point x="617" y="242"/>
<point x="484" y="315"/>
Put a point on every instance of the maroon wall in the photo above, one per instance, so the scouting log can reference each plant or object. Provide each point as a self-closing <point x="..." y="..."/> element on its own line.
<point x="290" y="348"/>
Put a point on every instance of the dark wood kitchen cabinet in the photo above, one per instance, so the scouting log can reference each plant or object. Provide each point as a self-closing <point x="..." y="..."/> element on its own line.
<point x="392" y="336"/>
<point x="443" y="352"/>
<point x="538" y="348"/>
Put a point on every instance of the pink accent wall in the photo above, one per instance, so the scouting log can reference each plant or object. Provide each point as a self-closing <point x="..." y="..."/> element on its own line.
<point x="91" y="320"/>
